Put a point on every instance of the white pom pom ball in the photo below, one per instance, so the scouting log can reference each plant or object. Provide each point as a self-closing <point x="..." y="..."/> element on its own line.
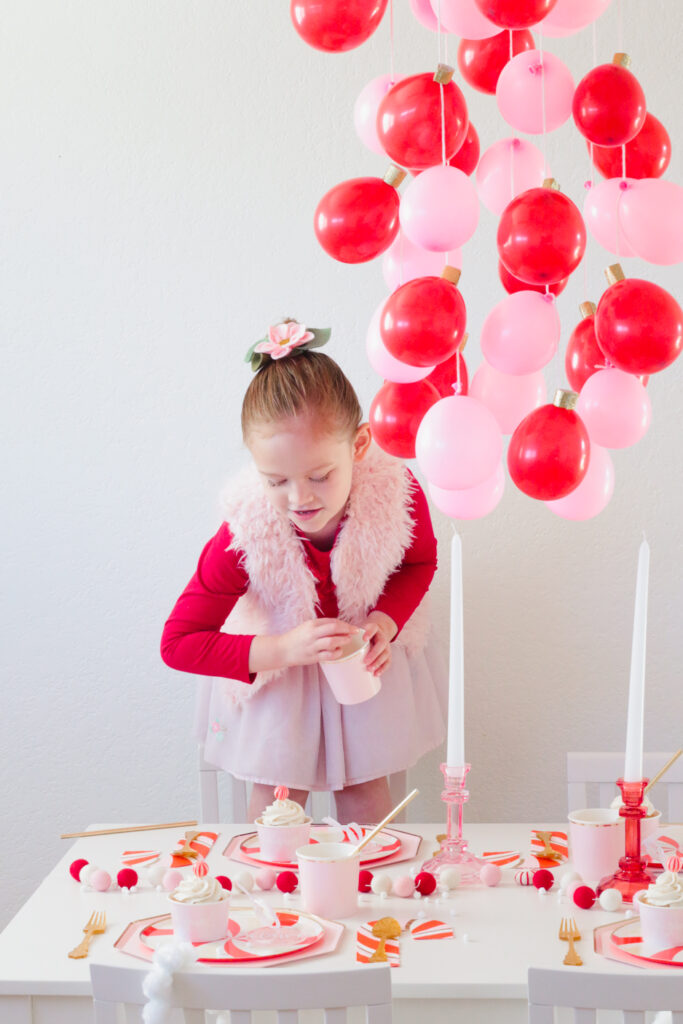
<point x="610" y="900"/>
<point x="449" y="878"/>
<point x="157" y="984"/>
<point x="155" y="873"/>
<point x="380" y="883"/>
<point x="246" y="880"/>
<point x="86" y="872"/>
<point x="567" y="877"/>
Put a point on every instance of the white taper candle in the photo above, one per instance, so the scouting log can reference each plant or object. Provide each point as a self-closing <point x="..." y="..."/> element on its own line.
<point x="633" y="767"/>
<point x="455" y="755"/>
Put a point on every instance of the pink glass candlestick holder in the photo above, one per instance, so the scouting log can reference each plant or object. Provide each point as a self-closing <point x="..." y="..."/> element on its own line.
<point x="454" y="852"/>
<point x="632" y="875"/>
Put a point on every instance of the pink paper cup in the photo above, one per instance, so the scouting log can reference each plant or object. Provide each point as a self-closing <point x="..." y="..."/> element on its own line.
<point x="200" y="922"/>
<point x="349" y="681"/>
<point x="596" y="837"/>
<point x="279" y="843"/>
<point x="662" y="927"/>
<point x="328" y="878"/>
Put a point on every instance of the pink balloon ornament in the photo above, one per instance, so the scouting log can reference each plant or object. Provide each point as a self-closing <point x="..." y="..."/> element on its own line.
<point x="507" y="168"/>
<point x="615" y="407"/>
<point x="459" y="443"/>
<point x="381" y="359"/>
<point x="593" y="493"/>
<point x="602" y="213"/>
<point x="422" y="9"/>
<point x="464" y="19"/>
<point x="569" y="16"/>
<point x="439" y="210"/>
<point x="510" y="397"/>
<point x="473" y="502"/>
<point x="520" y="92"/>
<point x="404" y="261"/>
<point x="651" y="213"/>
<point x="365" y="111"/>
<point x="521" y="334"/>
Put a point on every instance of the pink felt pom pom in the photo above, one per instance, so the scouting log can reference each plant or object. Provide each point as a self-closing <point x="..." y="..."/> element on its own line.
<point x="224" y="882"/>
<point x="100" y="880"/>
<point x="404" y="886"/>
<point x="584" y="897"/>
<point x="265" y="878"/>
<point x="172" y="879"/>
<point x="490" y="874"/>
<point x="127" y="878"/>
<point x="364" y="880"/>
<point x="287" y="881"/>
<point x="425" y="883"/>
<point x="543" y="879"/>
<point x="281" y="792"/>
<point x="674" y="863"/>
<point x="200" y="868"/>
<point x="524" y="877"/>
<point x="76" y="867"/>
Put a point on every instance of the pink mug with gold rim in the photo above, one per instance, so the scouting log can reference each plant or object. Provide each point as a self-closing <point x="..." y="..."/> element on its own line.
<point x="596" y="842"/>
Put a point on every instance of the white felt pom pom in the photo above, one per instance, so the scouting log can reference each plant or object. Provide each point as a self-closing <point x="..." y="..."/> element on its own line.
<point x="246" y="880"/>
<point x="155" y="873"/>
<point x="157" y="983"/>
<point x="156" y="1012"/>
<point x="380" y="883"/>
<point x="449" y="878"/>
<point x="567" y="877"/>
<point x="86" y="871"/>
<point x="610" y="900"/>
<point x="175" y="956"/>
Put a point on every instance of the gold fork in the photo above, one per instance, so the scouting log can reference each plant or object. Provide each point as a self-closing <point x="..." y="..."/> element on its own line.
<point x="570" y="933"/>
<point x="95" y="926"/>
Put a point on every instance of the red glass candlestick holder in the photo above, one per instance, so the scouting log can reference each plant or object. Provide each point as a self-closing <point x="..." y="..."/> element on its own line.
<point x="454" y="852"/>
<point x="632" y="875"/>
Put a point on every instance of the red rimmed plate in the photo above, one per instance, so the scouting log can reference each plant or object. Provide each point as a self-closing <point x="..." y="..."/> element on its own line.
<point x="384" y="845"/>
<point x="247" y="940"/>
<point x="626" y="937"/>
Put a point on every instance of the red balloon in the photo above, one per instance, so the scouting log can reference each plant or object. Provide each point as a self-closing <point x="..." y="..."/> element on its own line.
<point x="647" y="154"/>
<point x="549" y="452"/>
<point x="445" y="375"/>
<point x="409" y="121"/>
<point x="639" y="326"/>
<point x="423" y="321"/>
<point x="357" y="219"/>
<point x="609" y="105"/>
<point x="482" y="60"/>
<point x="396" y="413"/>
<point x="467" y="157"/>
<point x="512" y="284"/>
<point x="336" y="25"/>
<point x="541" y="236"/>
<point x="583" y="357"/>
<point x="515" y="13"/>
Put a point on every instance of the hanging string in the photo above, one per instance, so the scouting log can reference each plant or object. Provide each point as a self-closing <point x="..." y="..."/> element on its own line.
<point x="391" y="38"/>
<point x="595" y="44"/>
<point x="620" y="27"/>
<point x="543" y="111"/>
<point x="623" y="161"/>
<point x="513" y="146"/>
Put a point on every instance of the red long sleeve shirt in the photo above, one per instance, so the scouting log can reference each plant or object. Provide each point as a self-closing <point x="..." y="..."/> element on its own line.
<point x="192" y="640"/>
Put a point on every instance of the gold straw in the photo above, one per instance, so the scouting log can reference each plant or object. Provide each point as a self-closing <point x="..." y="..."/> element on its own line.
<point x="663" y="770"/>
<point x="130" y="828"/>
<point x="378" y="828"/>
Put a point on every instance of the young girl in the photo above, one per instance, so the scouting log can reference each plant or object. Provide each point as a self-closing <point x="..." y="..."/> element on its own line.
<point x="324" y="535"/>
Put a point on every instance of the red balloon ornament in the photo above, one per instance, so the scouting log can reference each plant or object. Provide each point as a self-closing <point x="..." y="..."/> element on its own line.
<point x="336" y="25"/>
<point x="396" y="413"/>
<point x="515" y="13"/>
<point x="482" y="60"/>
<point x="609" y="105"/>
<point x="647" y="154"/>
<point x="467" y="157"/>
<point x="409" y="121"/>
<point x="357" y="220"/>
<point x="512" y="284"/>
<point x="583" y="356"/>
<point x="541" y="236"/>
<point x="549" y="450"/>
<point x="639" y="326"/>
<point x="423" y="321"/>
<point x="446" y="374"/>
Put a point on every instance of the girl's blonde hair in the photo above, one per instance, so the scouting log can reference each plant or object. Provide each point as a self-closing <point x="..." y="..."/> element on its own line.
<point x="308" y="383"/>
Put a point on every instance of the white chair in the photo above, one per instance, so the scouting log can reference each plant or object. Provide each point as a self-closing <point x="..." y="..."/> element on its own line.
<point x="318" y="805"/>
<point x="272" y="989"/>
<point x="585" y="993"/>
<point x="591" y="781"/>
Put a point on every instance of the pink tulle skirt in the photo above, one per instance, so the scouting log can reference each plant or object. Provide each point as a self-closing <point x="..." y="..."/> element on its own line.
<point x="294" y="733"/>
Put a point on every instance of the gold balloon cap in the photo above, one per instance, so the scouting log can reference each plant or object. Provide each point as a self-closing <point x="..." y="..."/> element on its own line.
<point x="614" y="273"/>
<point x="395" y="175"/>
<point x="551" y="183"/>
<point x="587" y="309"/>
<point x="451" y="274"/>
<point x="443" y="74"/>
<point x="565" y="399"/>
<point x="622" y="60"/>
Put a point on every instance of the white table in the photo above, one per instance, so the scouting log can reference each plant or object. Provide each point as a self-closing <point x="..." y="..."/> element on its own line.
<point x="482" y="980"/>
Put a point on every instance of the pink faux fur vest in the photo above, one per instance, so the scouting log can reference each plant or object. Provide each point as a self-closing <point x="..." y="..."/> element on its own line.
<point x="370" y="545"/>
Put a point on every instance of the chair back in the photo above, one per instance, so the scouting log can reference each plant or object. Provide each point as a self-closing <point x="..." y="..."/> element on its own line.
<point x="586" y="993"/>
<point x="591" y="781"/>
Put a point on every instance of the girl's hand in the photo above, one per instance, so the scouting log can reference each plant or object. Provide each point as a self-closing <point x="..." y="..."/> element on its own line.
<point x="315" y="640"/>
<point x="379" y="630"/>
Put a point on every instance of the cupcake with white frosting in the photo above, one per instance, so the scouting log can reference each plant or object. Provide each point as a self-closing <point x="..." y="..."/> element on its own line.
<point x="200" y="907"/>
<point x="282" y="828"/>
<point x="661" y="912"/>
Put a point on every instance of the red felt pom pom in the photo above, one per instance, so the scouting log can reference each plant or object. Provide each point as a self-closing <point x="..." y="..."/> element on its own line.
<point x="76" y="866"/>
<point x="364" y="880"/>
<point x="127" y="878"/>
<point x="224" y="881"/>
<point x="544" y="879"/>
<point x="425" y="883"/>
<point x="286" y="881"/>
<point x="584" y="897"/>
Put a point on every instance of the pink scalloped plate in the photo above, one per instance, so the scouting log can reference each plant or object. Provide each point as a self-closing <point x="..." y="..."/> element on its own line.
<point x="623" y="941"/>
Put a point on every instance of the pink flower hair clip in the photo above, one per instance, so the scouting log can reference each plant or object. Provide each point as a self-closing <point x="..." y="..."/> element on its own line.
<point x="283" y="339"/>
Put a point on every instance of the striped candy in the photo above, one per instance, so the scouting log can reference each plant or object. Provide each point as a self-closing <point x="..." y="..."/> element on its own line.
<point x="201" y="868"/>
<point x="524" y="877"/>
<point x="281" y="792"/>
<point x="674" y="863"/>
<point x="431" y="930"/>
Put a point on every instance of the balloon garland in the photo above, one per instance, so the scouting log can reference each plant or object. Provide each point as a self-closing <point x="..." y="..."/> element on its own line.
<point x="427" y="407"/>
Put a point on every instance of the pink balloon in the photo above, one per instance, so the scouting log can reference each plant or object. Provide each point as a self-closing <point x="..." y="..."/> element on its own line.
<point x="439" y="209"/>
<point x="507" y="168"/>
<point x="365" y="111"/>
<point x="615" y="407"/>
<point x="521" y="334"/>
<point x="652" y="215"/>
<point x="463" y="18"/>
<point x="459" y="443"/>
<point x="510" y="398"/>
<point x="474" y="502"/>
<point x="593" y="493"/>
<point x="382" y="361"/>
<point x="520" y="92"/>
<point x="569" y="16"/>
<point x="422" y="9"/>
<point x="403" y="261"/>
<point x="602" y="212"/>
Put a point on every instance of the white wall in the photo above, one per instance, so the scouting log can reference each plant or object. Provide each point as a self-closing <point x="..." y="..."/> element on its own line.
<point x="161" y="164"/>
